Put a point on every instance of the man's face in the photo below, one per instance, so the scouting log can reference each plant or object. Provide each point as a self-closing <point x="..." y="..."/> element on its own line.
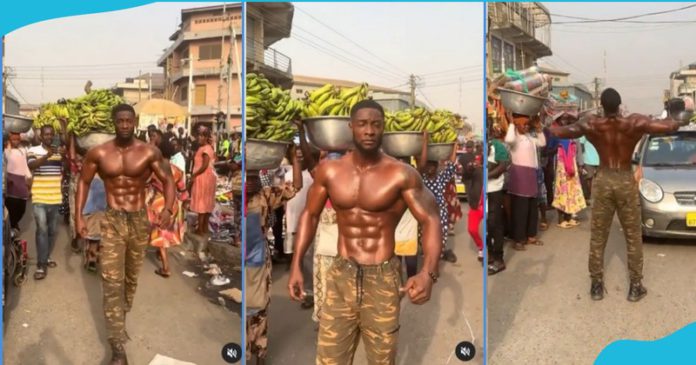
<point x="47" y="135"/>
<point x="368" y="126"/>
<point x="175" y="145"/>
<point x="155" y="138"/>
<point x="566" y="120"/>
<point x="125" y="125"/>
<point x="181" y="131"/>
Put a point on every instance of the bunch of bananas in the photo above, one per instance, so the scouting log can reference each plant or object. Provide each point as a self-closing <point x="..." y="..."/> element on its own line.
<point x="330" y="100"/>
<point x="50" y="114"/>
<point x="92" y="113"/>
<point x="440" y="124"/>
<point x="269" y="110"/>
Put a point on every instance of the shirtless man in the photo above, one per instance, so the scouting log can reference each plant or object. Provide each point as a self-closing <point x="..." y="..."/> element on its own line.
<point x="124" y="164"/>
<point x="369" y="191"/>
<point x="615" y="188"/>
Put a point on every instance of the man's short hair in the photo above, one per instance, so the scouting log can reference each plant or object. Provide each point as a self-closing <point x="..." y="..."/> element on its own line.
<point x="121" y="108"/>
<point x="610" y="100"/>
<point x="170" y="126"/>
<point x="47" y="126"/>
<point x="367" y="103"/>
<point x="675" y="106"/>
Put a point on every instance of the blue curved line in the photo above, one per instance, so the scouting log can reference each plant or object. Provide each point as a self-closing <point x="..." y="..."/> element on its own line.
<point x="676" y="348"/>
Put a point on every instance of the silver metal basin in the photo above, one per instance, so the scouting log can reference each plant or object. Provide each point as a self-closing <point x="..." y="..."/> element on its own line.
<point x="16" y="123"/>
<point x="440" y="151"/>
<point x="402" y="144"/>
<point x="329" y="133"/>
<point x="521" y="103"/>
<point x="262" y="154"/>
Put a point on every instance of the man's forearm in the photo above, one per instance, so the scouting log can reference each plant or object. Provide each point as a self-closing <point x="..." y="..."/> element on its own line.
<point x="432" y="245"/>
<point x="306" y="230"/>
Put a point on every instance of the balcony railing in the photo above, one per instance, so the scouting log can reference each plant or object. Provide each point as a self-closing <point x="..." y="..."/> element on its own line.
<point x="530" y="17"/>
<point x="268" y="56"/>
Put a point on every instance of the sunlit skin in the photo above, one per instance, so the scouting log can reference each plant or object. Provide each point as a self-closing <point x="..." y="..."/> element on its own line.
<point x="369" y="191"/>
<point x="614" y="136"/>
<point x="124" y="164"/>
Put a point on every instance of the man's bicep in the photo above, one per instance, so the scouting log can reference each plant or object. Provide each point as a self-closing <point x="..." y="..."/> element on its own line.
<point x="419" y="200"/>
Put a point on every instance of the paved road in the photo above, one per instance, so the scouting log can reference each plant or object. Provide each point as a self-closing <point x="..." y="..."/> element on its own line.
<point x="59" y="320"/>
<point x="428" y="334"/>
<point x="540" y="311"/>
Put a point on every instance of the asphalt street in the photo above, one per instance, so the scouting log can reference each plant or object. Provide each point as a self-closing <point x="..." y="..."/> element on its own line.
<point x="428" y="334"/>
<point x="540" y="310"/>
<point x="59" y="320"/>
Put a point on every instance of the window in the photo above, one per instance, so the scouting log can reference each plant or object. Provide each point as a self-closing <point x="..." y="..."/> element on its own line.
<point x="496" y="55"/>
<point x="200" y="95"/>
<point x="508" y="56"/>
<point x="519" y="60"/>
<point x="209" y="52"/>
<point x="184" y="93"/>
<point x="299" y="91"/>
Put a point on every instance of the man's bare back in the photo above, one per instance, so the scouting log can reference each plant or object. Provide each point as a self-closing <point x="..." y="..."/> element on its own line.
<point x="368" y="204"/>
<point x="615" y="137"/>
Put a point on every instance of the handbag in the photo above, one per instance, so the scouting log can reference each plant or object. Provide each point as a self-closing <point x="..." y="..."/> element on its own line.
<point x="17" y="186"/>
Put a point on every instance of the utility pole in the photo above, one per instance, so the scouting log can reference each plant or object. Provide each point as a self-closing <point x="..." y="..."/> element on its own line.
<point x="233" y="41"/>
<point x="149" y="86"/>
<point x="5" y="75"/>
<point x="189" y="95"/>
<point x="596" y="92"/>
<point x="140" y="79"/>
<point x="412" y="85"/>
<point x="222" y="46"/>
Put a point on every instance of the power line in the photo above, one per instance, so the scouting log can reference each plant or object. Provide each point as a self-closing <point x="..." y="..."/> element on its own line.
<point x="452" y="70"/>
<point x="9" y="80"/>
<point x="83" y="66"/>
<point x="590" y="20"/>
<point x="427" y="100"/>
<point x="351" y="41"/>
<point x="478" y="79"/>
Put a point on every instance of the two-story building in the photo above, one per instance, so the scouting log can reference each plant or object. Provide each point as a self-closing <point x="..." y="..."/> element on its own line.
<point x="560" y="82"/>
<point x="267" y="23"/>
<point x="683" y="82"/>
<point x="140" y="88"/>
<point x="519" y="33"/>
<point x="202" y="67"/>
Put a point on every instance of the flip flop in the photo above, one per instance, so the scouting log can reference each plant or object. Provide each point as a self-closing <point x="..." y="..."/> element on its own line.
<point x="535" y="242"/>
<point x="573" y="223"/>
<point x="565" y="225"/>
<point x="543" y="226"/>
<point x="162" y="273"/>
<point x="52" y="264"/>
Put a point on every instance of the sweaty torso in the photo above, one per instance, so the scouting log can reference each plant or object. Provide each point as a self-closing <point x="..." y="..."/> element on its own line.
<point x="125" y="172"/>
<point x="368" y="208"/>
<point x="614" y="139"/>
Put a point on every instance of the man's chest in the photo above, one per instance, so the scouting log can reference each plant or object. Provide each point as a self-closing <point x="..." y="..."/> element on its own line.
<point x="129" y="164"/>
<point x="370" y="191"/>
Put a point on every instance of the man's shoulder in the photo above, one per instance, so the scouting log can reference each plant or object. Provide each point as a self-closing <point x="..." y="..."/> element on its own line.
<point x="36" y="150"/>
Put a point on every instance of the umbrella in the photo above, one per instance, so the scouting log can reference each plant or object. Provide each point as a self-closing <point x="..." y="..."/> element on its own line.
<point x="159" y="112"/>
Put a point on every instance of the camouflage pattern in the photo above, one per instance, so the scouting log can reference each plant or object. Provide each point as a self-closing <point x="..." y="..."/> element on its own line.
<point x="616" y="191"/>
<point x="257" y="323"/>
<point x="124" y="239"/>
<point x="360" y="300"/>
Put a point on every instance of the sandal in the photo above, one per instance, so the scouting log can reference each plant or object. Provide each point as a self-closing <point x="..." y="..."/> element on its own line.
<point x="518" y="246"/>
<point x="52" y="264"/>
<point x="565" y="225"/>
<point x="543" y="226"/>
<point x="162" y="273"/>
<point x="535" y="242"/>
<point x="573" y="222"/>
<point x="496" y="267"/>
<point x="40" y="274"/>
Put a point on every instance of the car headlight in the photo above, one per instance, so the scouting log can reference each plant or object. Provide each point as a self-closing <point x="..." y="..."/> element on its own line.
<point x="650" y="191"/>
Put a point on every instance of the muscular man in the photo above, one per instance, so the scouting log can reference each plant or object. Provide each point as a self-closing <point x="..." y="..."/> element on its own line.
<point x="369" y="191"/>
<point x="124" y="164"/>
<point x="615" y="188"/>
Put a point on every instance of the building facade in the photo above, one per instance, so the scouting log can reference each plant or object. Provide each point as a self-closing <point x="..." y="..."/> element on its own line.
<point x="519" y="33"/>
<point x="683" y="82"/>
<point x="137" y="89"/>
<point x="267" y="23"/>
<point x="202" y="67"/>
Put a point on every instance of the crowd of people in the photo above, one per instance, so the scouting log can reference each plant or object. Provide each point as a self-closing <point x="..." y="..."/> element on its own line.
<point x="279" y="230"/>
<point x="139" y="199"/>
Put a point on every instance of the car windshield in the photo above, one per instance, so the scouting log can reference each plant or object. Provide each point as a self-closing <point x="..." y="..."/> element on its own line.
<point x="673" y="150"/>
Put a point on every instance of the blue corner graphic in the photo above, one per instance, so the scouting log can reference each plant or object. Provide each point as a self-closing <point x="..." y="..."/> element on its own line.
<point x="676" y="348"/>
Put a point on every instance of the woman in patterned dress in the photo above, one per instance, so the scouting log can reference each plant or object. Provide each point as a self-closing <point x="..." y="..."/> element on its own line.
<point x="260" y="203"/>
<point x="165" y="238"/>
<point x="203" y="180"/>
<point x="436" y="182"/>
<point x="568" y="197"/>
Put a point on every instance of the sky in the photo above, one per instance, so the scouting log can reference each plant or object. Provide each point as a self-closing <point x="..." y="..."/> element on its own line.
<point x="383" y="43"/>
<point x="104" y="48"/>
<point x="639" y="57"/>
<point x="439" y="42"/>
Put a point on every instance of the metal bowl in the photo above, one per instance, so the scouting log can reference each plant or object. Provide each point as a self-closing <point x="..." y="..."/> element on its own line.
<point x="329" y="133"/>
<point x="521" y="103"/>
<point x="91" y="140"/>
<point x="16" y="123"/>
<point x="402" y="144"/>
<point x="262" y="154"/>
<point x="684" y="116"/>
<point x="440" y="151"/>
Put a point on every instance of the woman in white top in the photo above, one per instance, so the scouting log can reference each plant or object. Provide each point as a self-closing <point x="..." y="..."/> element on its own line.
<point x="17" y="179"/>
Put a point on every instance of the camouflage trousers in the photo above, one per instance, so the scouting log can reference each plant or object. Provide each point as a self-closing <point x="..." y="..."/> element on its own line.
<point x="616" y="191"/>
<point x="124" y="238"/>
<point x="361" y="301"/>
<point x="72" y="190"/>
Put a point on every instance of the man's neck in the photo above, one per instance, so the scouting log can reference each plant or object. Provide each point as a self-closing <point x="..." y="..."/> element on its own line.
<point x="124" y="142"/>
<point x="363" y="159"/>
